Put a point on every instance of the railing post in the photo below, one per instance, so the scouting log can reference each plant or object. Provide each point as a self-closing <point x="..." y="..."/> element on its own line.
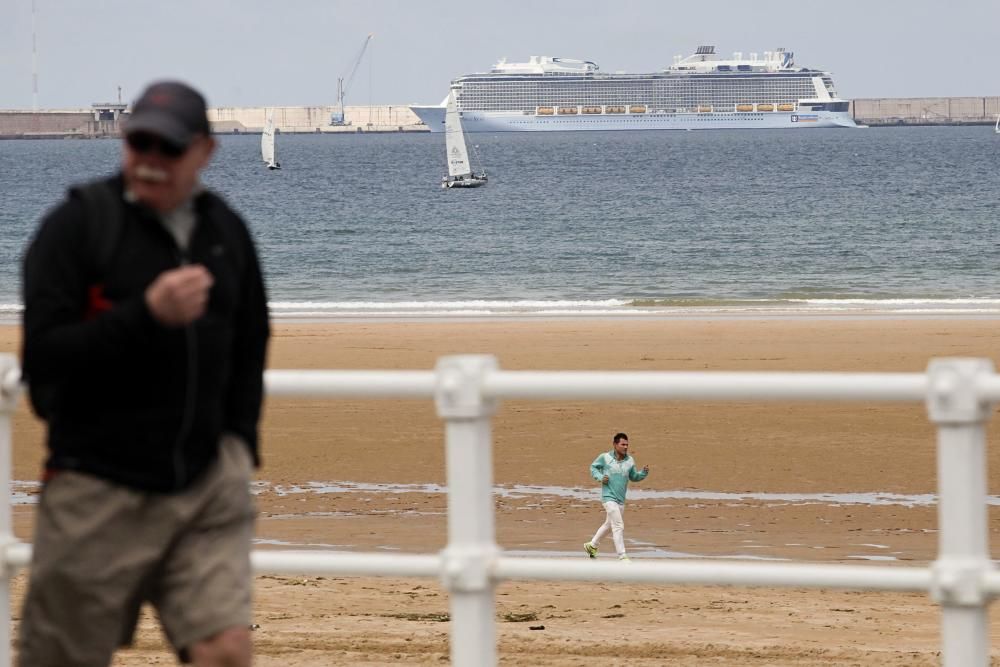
<point x="472" y="548"/>
<point x="10" y="378"/>
<point x="954" y="405"/>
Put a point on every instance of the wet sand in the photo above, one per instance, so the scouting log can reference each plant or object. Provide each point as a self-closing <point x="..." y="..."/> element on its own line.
<point x="762" y="465"/>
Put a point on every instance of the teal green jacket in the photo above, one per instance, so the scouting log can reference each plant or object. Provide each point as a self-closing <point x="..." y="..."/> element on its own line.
<point x="619" y="473"/>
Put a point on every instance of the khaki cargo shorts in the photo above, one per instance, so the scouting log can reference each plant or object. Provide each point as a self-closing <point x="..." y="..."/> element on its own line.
<point x="101" y="550"/>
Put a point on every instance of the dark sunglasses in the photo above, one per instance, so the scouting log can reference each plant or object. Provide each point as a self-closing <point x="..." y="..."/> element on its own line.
<point x="143" y="143"/>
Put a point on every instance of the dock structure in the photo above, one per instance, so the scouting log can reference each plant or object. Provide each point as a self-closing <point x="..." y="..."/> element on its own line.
<point x="104" y="119"/>
<point x="101" y="119"/>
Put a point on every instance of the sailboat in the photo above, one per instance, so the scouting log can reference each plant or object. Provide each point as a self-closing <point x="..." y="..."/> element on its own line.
<point x="267" y="142"/>
<point x="996" y="128"/>
<point x="460" y="174"/>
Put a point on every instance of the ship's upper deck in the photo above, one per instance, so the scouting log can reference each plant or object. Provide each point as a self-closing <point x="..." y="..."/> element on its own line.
<point x="703" y="61"/>
<point x="545" y="65"/>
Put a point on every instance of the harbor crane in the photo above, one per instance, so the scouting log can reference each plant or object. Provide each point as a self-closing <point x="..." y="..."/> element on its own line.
<point x="337" y="117"/>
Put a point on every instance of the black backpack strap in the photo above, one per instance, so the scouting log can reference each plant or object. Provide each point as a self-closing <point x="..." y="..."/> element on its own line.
<point x="105" y="217"/>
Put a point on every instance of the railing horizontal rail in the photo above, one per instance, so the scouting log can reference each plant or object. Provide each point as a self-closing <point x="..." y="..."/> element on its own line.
<point x="855" y="577"/>
<point x="717" y="385"/>
<point x="347" y="564"/>
<point x="350" y="384"/>
<point x="991" y="582"/>
<point x="692" y="572"/>
<point x="610" y="385"/>
<point x="988" y="388"/>
<point x="721" y="385"/>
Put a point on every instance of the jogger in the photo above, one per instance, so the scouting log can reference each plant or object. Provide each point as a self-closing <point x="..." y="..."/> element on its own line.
<point x="614" y="470"/>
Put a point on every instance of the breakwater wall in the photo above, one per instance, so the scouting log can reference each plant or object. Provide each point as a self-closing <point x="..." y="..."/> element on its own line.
<point x="926" y="110"/>
<point x="69" y="123"/>
<point x="313" y="120"/>
<point x="99" y="122"/>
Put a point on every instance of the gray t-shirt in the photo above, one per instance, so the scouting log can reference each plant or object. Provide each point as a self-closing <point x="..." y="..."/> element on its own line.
<point x="180" y="221"/>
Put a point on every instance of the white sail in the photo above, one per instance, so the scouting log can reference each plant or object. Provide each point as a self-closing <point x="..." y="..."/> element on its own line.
<point x="267" y="141"/>
<point x="454" y="141"/>
<point x="996" y="128"/>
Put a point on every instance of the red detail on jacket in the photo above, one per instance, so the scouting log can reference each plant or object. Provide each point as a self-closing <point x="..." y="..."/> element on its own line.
<point x="96" y="302"/>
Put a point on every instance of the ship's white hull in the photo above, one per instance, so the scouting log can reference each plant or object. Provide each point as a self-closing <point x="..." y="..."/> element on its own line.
<point x="498" y="121"/>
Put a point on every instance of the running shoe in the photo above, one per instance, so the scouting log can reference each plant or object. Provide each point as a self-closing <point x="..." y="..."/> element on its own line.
<point x="590" y="549"/>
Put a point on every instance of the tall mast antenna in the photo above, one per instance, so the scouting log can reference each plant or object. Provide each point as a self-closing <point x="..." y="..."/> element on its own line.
<point x="34" y="61"/>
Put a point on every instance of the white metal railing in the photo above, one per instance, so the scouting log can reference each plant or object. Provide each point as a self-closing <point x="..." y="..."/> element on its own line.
<point x="958" y="393"/>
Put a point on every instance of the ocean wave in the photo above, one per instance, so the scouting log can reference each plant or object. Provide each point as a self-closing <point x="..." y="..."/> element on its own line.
<point x="646" y="307"/>
<point x="640" y="307"/>
<point x="480" y="304"/>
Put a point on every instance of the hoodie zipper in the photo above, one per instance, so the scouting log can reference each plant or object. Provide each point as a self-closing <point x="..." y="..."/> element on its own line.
<point x="190" y="392"/>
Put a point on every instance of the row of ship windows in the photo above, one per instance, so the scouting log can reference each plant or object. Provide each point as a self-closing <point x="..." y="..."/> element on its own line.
<point x="536" y="88"/>
<point x="802" y="81"/>
<point x="688" y="100"/>
<point x="632" y="91"/>
<point x="634" y="99"/>
<point x="723" y="79"/>
<point x="564" y="98"/>
<point x="627" y="119"/>
<point x="639" y="109"/>
<point x="642" y="109"/>
<point x="626" y="94"/>
<point x="615" y="99"/>
<point x="541" y="90"/>
<point x="689" y="107"/>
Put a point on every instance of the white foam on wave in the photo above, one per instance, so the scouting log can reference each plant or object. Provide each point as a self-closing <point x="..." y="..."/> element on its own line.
<point x="476" y="304"/>
<point x="695" y="307"/>
<point x="981" y="302"/>
<point x="472" y="308"/>
<point x="635" y="308"/>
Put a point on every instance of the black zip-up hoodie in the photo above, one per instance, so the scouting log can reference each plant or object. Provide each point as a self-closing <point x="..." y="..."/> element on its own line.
<point x="133" y="401"/>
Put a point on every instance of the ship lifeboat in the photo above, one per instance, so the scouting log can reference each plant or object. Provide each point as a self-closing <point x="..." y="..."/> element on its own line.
<point x="786" y="107"/>
<point x="591" y="109"/>
<point x="704" y="109"/>
<point x="744" y="107"/>
<point x="614" y="109"/>
<point x="545" y="111"/>
<point x="567" y="111"/>
<point x="765" y="107"/>
<point x="637" y="108"/>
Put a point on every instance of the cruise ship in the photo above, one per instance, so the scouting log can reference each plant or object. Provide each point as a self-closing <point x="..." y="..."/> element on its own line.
<point x="699" y="92"/>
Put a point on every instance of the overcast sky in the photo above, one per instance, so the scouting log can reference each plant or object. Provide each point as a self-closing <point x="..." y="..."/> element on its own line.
<point x="263" y="53"/>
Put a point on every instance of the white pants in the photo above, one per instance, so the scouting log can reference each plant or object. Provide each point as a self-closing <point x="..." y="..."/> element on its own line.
<point x="615" y="523"/>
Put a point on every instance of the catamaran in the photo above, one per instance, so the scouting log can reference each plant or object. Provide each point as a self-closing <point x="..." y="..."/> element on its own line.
<point x="460" y="174"/>
<point x="267" y="142"/>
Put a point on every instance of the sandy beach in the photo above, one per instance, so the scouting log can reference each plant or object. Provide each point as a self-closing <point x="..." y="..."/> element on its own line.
<point x="727" y="480"/>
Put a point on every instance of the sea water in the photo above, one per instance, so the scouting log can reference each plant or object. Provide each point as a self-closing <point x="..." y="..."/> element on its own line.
<point x="889" y="220"/>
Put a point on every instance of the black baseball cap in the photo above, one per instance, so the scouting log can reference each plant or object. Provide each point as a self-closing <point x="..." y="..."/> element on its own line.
<point x="171" y="110"/>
